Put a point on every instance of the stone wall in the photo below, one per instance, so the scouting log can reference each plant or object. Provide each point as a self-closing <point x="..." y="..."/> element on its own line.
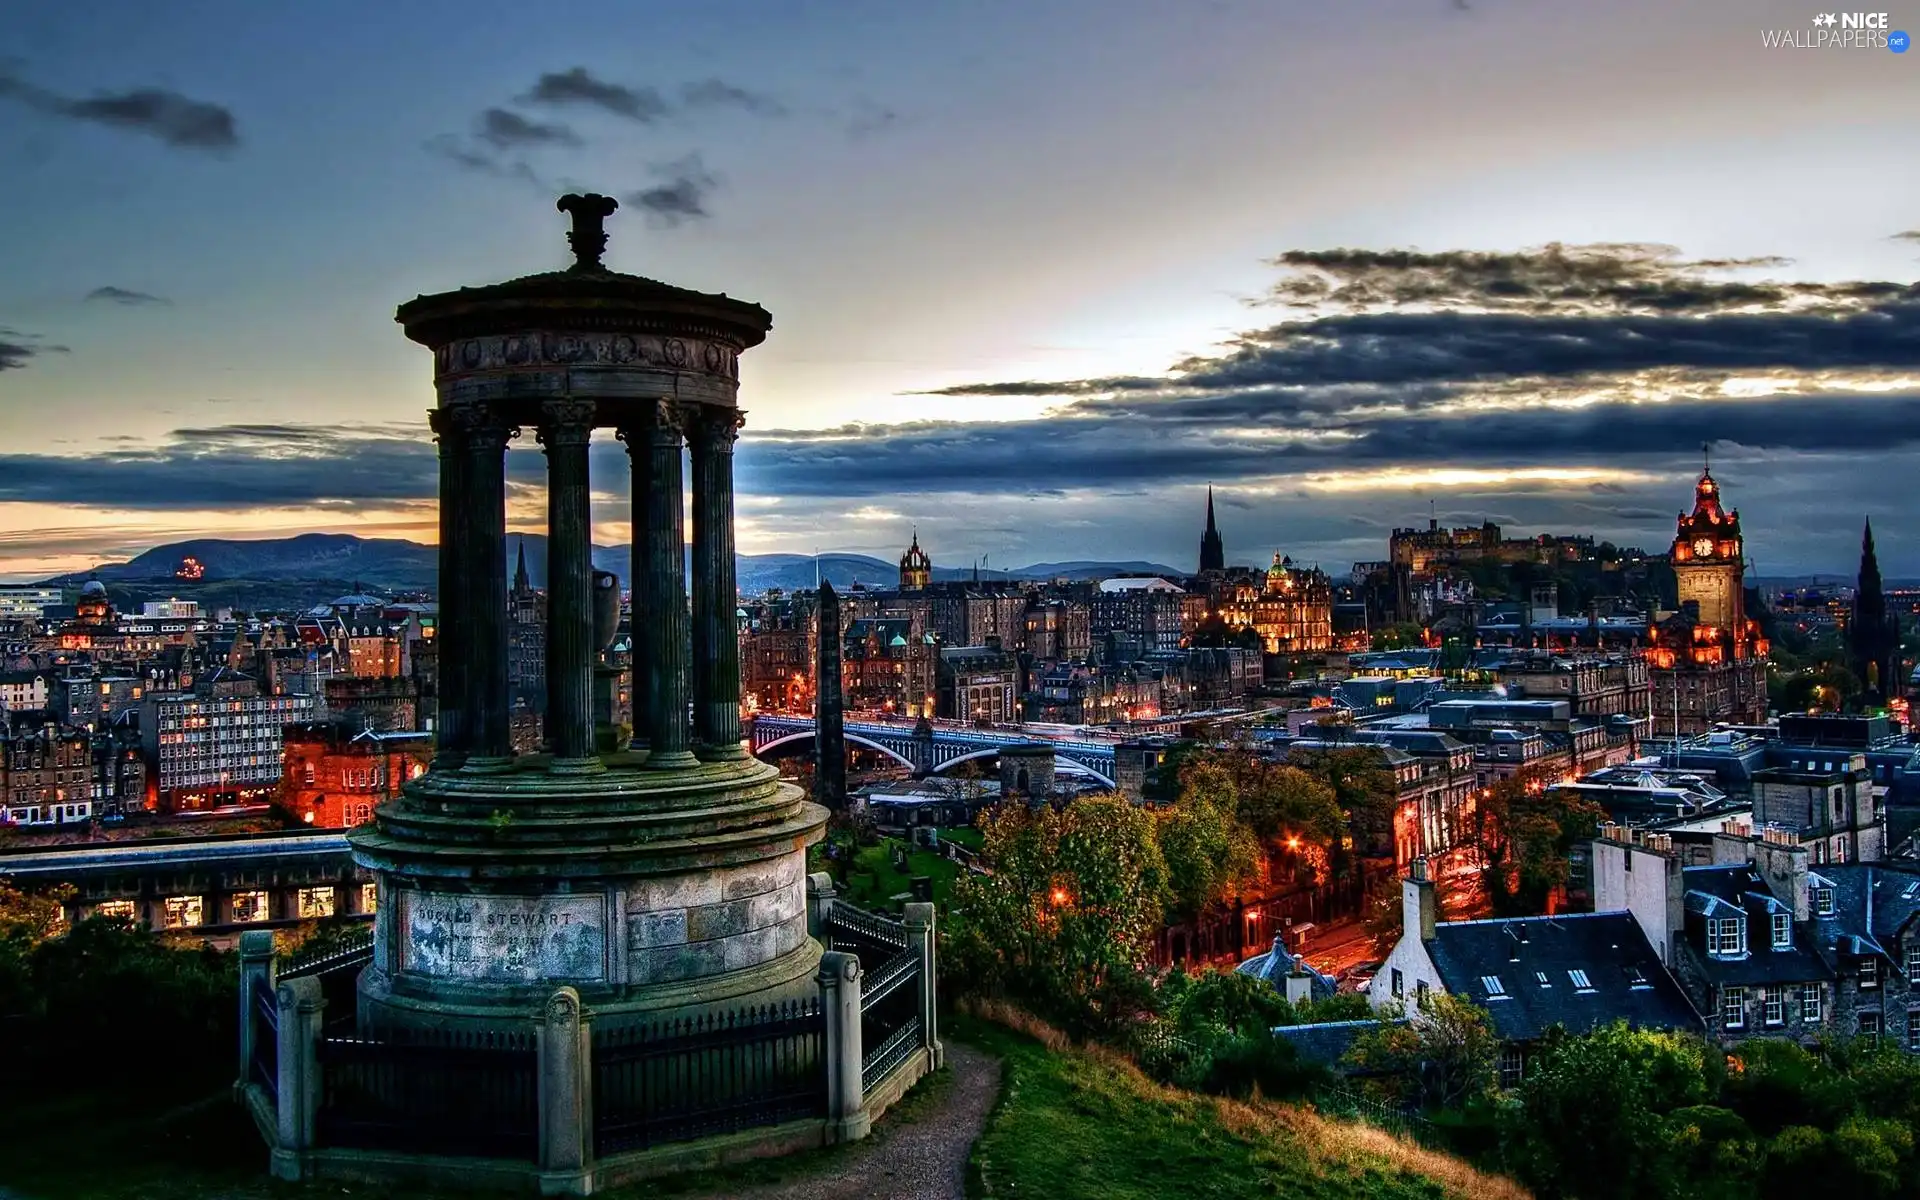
<point x="693" y="926"/>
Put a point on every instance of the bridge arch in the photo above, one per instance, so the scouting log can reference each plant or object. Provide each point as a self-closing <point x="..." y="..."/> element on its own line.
<point x="994" y="751"/>
<point x="856" y="739"/>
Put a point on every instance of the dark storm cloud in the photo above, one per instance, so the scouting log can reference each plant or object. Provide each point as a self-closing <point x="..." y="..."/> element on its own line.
<point x="718" y="93"/>
<point x="234" y="466"/>
<point x="577" y="85"/>
<point x="17" y="349"/>
<point x="160" y="113"/>
<point x="504" y="130"/>
<point x="123" y="296"/>
<point x="681" y="195"/>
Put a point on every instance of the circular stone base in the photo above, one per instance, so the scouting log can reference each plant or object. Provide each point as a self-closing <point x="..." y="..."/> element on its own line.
<point x="652" y="892"/>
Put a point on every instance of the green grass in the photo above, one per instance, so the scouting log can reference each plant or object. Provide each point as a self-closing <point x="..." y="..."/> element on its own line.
<point x="1074" y="1125"/>
<point x="964" y="835"/>
<point x="872" y="882"/>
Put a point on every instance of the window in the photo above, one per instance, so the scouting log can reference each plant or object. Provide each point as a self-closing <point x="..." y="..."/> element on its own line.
<point x="1727" y="938"/>
<point x="1495" y="989"/>
<point x="249" y="907"/>
<point x="1913" y="960"/>
<point x="316" y="902"/>
<point x="1810" y="1003"/>
<point x="1420" y="992"/>
<point x="1773" y="1005"/>
<point x="1913" y="1029"/>
<point x="1542" y="977"/>
<point x="369" y="897"/>
<point x="1869" y="1024"/>
<point x="117" y="910"/>
<point x="1782" y="931"/>
<point x="1399" y="986"/>
<point x="1580" y="982"/>
<point x="1869" y="973"/>
<point x="1513" y="1065"/>
<point x="1823" y="901"/>
<point x="1733" y="1007"/>
<point x="183" y="912"/>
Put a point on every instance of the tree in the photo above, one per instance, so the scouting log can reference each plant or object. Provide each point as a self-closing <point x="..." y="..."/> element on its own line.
<point x="1400" y="636"/>
<point x="1066" y="919"/>
<point x="1525" y="830"/>
<point x="1209" y="854"/>
<point x="1443" y="1057"/>
<point x="1593" y="1117"/>
<point x="1366" y="792"/>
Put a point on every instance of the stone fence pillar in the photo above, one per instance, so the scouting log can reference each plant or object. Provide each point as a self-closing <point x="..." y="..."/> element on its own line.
<point x="820" y="895"/>
<point x="302" y="1011"/>
<point x="256" y="965"/>
<point x="564" y="1040"/>
<point x="839" y="979"/>
<point x="918" y="919"/>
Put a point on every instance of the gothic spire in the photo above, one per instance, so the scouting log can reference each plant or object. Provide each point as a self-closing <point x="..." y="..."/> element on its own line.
<point x="520" y="580"/>
<point x="1213" y="554"/>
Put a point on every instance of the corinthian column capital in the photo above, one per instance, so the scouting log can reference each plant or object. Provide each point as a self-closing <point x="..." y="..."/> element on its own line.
<point x="566" y="422"/>
<point x="713" y="426"/>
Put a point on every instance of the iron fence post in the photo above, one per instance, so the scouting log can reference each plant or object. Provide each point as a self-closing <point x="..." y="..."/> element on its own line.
<point x="839" y="979"/>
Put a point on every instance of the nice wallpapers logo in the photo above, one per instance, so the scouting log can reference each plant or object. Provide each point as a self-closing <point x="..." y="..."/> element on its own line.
<point x="1839" y="31"/>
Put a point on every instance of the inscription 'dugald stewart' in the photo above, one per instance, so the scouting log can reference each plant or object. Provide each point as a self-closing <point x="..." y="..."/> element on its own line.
<point x="507" y="939"/>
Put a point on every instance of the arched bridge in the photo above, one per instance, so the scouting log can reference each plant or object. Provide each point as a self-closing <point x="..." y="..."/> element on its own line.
<point x="947" y="746"/>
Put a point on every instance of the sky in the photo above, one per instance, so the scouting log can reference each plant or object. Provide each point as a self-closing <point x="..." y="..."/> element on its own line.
<point x="1041" y="271"/>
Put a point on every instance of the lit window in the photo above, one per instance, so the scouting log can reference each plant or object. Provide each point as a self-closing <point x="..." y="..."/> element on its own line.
<point x="369" y="897"/>
<point x="183" y="912"/>
<point x="249" y="907"/>
<point x="1733" y="1007"/>
<point x="1580" y="982"/>
<point x="117" y="910"/>
<point x="1773" y="1002"/>
<point x="1782" y="931"/>
<point x="1810" y="1003"/>
<point x="316" y="902"/>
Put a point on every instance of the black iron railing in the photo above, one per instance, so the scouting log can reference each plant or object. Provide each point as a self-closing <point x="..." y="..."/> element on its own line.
<point x="874" y="939"/>
<point x="708" y="1075"/>
<point x="889" y="1016"/>
<point x="349" y="953"/>
<point x="264" y="1065"/>
<point x="460" y="1093"/>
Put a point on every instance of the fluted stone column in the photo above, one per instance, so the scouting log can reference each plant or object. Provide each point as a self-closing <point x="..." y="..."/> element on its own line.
<point x="484" y="585"/>
<point x="660" y="588"/>
<point x="716" y="638"/>
<point x="451" y="740"/>
<point x="566" y="428"/>
<point x="639" y="442"/>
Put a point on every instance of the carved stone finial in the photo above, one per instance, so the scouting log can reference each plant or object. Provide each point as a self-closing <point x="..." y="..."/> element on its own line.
<point x="589" y="236"/>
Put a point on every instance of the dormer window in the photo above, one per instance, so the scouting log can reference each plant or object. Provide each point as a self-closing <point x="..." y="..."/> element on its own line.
<point x="1823" y="901"/>
<point x="1727" y="937"/>
<point x="1782" y="931"/>
<point x="1869" y="972"/>
<point x="1580" y="981"/>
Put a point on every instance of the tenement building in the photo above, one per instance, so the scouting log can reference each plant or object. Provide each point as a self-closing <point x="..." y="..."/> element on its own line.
<point x="219" y="745"/>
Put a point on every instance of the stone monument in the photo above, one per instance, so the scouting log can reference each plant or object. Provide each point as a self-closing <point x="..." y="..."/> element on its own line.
<point x="829" y="706"/>
<point x="668" y="876"/>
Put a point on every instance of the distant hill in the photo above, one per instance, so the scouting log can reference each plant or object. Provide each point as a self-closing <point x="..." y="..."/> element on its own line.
<point x="271" y="572"/>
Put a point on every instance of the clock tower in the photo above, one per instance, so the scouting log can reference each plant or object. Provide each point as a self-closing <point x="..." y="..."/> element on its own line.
<point x="1708" y="559"/>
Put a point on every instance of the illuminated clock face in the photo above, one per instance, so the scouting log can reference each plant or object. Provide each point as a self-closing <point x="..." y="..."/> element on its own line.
<point x="1703" y="548"/>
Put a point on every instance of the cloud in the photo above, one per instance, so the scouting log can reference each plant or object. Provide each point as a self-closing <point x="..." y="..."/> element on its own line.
<point x="175" y="119"/>
<point x="478" y="160"/>
<point x="504" y="130"/>
<point x="1911" y="235"/>
<point x="717" y="93"/>
<point x="681" y="196"/>
<point x="123" y="296"/>
<point x="579" y="86"/>
<point x="869" y="118"/>
<point x="17" y="348"/>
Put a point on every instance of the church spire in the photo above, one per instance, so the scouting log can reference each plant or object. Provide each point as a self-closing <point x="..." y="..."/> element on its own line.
<point x="520" y="581"/>
<point x="1874" y="633"/>
<point x="1213" y="554"/>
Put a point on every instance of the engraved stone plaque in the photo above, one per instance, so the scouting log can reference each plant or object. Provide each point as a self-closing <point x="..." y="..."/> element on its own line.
<point x="503" y="939"/>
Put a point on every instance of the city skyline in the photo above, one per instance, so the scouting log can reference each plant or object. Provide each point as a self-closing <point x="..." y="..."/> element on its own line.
<point x="1037" y="277"/>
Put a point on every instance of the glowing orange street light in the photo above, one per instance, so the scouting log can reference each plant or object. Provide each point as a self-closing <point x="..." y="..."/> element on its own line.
<point x="1059" y="897"/>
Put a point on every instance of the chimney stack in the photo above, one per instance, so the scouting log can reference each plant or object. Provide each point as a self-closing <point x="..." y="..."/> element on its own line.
<point x="1419" y="905"/>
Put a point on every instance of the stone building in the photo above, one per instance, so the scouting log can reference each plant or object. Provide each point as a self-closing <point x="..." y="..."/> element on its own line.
<point x="526" y="640"/>
<point x="979" y="684"/>
<point x="1831" y="812"/>
<point x="916" y="569"/>
<point x="1291" y="608"/>
<point x="336" y="774"/>
<point x="1707" y="661"/>
<point x="218" y="745"/>
<point x="46" y="775"/>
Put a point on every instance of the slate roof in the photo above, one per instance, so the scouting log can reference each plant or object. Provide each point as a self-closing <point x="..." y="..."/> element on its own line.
<point x="1624" y="977"/>
<point x="1327" y="1042"/>
<point x="1276" y="964"/>
<point x="1872" y="906"/>
<point x="1717" y="893"/>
